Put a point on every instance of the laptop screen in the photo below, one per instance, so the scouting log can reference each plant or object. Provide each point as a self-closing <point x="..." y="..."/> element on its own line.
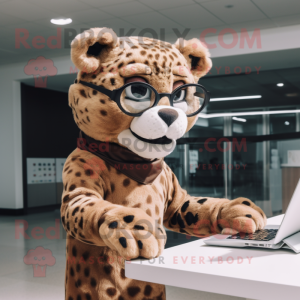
<point x="291" y="220"/>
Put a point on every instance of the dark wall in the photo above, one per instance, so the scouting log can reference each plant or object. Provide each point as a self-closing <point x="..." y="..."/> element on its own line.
<point x="48" y="128"/>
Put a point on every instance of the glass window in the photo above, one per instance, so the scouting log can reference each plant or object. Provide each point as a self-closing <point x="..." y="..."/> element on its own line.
<point x="206" y="175"/>
<point x="210" y="127"/>
<point x="282" y="123"/>
<point x="284" y="172"/>
<point x="199" y="166"/>
<point x="247" y="158"/>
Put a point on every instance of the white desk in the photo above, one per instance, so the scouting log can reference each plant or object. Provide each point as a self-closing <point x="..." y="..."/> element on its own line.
<point x="270" y="274"/>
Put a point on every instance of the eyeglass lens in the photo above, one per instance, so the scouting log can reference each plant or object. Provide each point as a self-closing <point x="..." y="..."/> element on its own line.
<point x="189" y="99"/>
<point x="138" y="97"/>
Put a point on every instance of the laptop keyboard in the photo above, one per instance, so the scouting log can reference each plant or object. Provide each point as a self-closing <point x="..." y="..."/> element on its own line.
<point x="259" y="235"/>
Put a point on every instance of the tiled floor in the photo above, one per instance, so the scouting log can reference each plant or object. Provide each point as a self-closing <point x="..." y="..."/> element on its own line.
<point x="18" y="280"/>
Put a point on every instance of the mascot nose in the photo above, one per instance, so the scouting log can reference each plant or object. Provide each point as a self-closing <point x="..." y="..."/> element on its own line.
<point x="168" y="115"/>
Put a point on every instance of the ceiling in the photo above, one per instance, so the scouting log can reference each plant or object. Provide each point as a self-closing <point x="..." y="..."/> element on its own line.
<point x="130" y="17"/>
<point x="162" y="16"/>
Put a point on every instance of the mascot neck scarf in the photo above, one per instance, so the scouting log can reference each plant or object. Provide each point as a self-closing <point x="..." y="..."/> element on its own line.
<point x="140" y="169"/>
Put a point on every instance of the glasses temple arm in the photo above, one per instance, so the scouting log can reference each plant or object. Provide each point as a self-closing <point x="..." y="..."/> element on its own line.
<point x="98" y="88"/>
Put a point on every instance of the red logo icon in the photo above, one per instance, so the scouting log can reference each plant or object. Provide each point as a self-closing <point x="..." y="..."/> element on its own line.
<point x="39" y="258"/>
<point x="40" y="69"/>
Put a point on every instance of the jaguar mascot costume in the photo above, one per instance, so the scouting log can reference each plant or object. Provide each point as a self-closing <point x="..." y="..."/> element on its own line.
<point x="132" y="99"/>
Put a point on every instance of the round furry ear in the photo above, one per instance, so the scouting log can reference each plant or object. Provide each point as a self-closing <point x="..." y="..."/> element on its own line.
<point x="88" y="45"/>
<point x="197" y="56"/>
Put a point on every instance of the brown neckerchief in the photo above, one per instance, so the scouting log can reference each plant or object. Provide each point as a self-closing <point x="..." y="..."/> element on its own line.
<point x="140" y="169"/>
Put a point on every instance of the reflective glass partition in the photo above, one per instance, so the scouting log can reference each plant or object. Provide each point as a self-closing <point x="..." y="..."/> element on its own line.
<point x="206" y="160"/>
<point x="252" y="156"/>
<point x="284" y="161"/>
<point x="247" y="143"/>
<point x="283" y="123"/>
<point x="248" y="159"/>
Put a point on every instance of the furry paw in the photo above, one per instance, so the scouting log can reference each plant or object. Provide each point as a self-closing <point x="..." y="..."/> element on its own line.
<point x="132" y="233"/>
<point x="241" y="215"/>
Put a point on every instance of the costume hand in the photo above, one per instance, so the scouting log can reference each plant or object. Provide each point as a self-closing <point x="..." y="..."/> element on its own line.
<point x="132" y="233"/>
<point x="241" y="215"/>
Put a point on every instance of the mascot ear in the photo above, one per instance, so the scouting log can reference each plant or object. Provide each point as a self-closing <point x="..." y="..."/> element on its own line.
<point x="197" y="56"/>
<point x="87" y="47"/>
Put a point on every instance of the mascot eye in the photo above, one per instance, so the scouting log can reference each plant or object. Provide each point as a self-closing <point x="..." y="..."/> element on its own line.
<point x="179" y="100"/>
<point x="138" y="92"/>
<point x="45" y="68"/>
<point x="137" y="97"/>
<point x="180" y="96"/>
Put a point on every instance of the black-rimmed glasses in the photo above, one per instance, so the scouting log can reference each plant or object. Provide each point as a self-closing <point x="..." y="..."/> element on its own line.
<point x="134" y="98"/>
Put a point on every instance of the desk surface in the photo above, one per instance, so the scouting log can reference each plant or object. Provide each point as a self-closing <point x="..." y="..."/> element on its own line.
<point x="242" y="272"/>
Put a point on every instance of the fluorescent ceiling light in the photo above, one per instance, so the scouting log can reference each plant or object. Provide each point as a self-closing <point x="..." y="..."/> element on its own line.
<point x="252" y="113"/>
<point x="236" y="98"/>
<point x="280" y="84"/>
<point x="239" y="119"/>
<point x="61" y="21"/>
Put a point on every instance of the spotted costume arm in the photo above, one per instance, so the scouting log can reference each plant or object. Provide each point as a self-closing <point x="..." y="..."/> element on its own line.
<point x="203" y="216"/>
<point x="82" y="199"/>
<point x="88" y="217"/>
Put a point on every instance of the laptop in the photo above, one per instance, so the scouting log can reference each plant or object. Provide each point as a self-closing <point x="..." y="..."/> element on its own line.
<point x="286" y="235"/>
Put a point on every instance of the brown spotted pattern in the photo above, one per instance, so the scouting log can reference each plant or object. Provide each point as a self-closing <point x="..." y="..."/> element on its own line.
<point x="98" y="200"/>
<point x="94" y="110"/>
<point x="88" y="208"/>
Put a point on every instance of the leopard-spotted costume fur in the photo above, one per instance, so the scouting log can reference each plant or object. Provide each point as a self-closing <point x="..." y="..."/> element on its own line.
<point x="98" y="201"/>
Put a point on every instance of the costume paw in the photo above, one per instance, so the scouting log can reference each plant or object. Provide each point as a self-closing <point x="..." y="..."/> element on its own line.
<point x="132" y="233"/>
<point x="241" y="215"/>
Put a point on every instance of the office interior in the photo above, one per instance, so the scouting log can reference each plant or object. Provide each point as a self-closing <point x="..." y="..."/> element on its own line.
<point x="237" y="148"/>
<point x="246" y="143"/>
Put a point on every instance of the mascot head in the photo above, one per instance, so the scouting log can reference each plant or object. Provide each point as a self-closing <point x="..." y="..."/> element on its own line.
<point x="138" y="92"/>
